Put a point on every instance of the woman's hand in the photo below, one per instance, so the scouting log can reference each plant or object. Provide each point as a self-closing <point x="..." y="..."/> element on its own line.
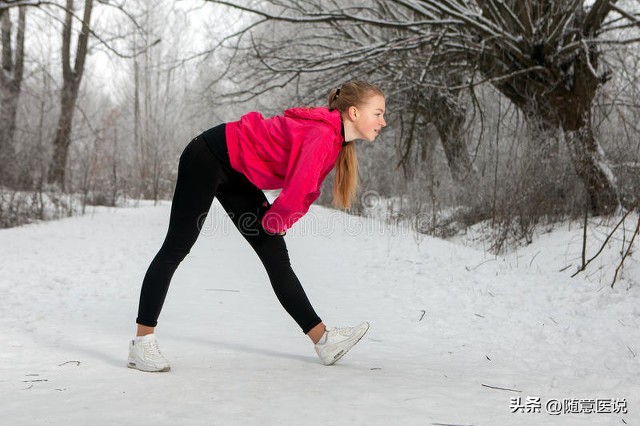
<point x="264" y="207"/>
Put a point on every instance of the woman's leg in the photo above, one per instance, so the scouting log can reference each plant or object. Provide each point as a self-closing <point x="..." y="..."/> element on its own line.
<point x="199" y="175"/>
<point x="245" y="205"/>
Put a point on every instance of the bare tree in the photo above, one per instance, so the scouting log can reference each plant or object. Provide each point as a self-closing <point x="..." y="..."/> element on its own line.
<point x="158" y="90"/>
<point x="556" y="43"/>
<point x="10" y="85"/>
<point x="72" y="77"/>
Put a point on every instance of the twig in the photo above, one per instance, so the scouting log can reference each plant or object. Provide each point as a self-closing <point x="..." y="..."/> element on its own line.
<point x="480" y="264"/>
<point x="626" y="253"/>
<point x="37" y="380"/>
<point x="584" y="242"/>
<point x="584" y="237"/>
<point x="631" y="350"/>
<point x="69" y="362"/>
<point x="533" y="258"/>
<point x="604" y="244"/>
<point x="423" y="314"/>
<point x="496" y="387"/>
<point x="447" y="424"/>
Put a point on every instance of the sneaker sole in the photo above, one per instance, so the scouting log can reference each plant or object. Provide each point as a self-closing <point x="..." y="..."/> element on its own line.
<point x="343" y="352"/>
<point x="135" y="367"/>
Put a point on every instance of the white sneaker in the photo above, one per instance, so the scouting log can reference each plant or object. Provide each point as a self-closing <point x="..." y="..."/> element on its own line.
<point x="144" y="354"/>
<point x="336" y="342"/>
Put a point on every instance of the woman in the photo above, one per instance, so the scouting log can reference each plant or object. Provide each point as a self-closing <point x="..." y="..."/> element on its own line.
<point x="235" y="162"/>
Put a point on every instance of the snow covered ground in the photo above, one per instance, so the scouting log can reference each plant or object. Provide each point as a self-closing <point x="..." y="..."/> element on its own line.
<point x="458" y="336"/>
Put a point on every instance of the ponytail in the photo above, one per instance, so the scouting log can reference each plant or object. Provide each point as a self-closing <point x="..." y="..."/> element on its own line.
<point x="345" y="183"/>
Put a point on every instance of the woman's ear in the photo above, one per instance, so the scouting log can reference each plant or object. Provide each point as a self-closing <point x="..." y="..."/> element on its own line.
<point x="353" y="113"/>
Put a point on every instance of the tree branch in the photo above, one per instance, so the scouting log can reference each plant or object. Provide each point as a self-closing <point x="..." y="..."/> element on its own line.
<point x="626" y="253"/>
<point x="596" y="15"/>
<point x="626" y="14"/>
<point x="327" y="17"/>
<point x="6" y="4"/>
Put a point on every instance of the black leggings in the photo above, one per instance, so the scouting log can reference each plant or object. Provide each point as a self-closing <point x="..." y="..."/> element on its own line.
<point x="204" y="172"/>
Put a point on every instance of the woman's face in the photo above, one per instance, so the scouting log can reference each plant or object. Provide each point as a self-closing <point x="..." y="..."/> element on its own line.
<point x="368" y="118"/>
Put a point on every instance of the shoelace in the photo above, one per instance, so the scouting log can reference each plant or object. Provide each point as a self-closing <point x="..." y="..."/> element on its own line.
<point x="345" y="331"/>
<point x="152" y="350"/>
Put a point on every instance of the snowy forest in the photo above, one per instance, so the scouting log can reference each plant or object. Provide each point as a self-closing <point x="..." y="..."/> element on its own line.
<point x="513" y="114"/>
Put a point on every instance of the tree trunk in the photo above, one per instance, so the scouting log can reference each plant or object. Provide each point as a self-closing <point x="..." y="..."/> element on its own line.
<point x="443" y="109"/>
<point x="71" y="84"/>
<point x="448" y="118"/>
<point x="590" y="165"/>
<point x="574" y="114"/>
<point x="62" y="139"/>
<point x="10" y="86"/>
<point x="568" y="106"/>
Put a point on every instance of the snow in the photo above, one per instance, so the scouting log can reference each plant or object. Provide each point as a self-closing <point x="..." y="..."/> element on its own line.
<point x="447" y="321"/>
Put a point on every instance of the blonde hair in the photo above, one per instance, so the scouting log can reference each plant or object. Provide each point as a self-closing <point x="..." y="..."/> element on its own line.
<point x="345" y="183"/>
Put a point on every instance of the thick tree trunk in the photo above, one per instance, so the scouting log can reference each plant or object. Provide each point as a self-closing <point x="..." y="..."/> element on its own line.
<point x="62" y="140"/>
<point x="71" y="84"/>
<point x="10" y="86"/>
<point x="448" y="120"/>
<point x="590" y="165"/>
<point x="443" y="109"/>
<point x="8" y="112"/>
<point x="447" y="113"/>
<point x="574" y="114"/>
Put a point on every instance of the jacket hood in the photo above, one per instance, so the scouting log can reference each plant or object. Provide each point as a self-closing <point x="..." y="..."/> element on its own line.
<point x="318" y="114"/>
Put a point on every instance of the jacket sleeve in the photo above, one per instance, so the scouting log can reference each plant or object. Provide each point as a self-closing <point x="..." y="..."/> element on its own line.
<point x="301" y="184"/>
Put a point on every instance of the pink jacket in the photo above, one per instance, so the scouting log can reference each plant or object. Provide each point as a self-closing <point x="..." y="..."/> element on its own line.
<point x="294" y="152"/>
